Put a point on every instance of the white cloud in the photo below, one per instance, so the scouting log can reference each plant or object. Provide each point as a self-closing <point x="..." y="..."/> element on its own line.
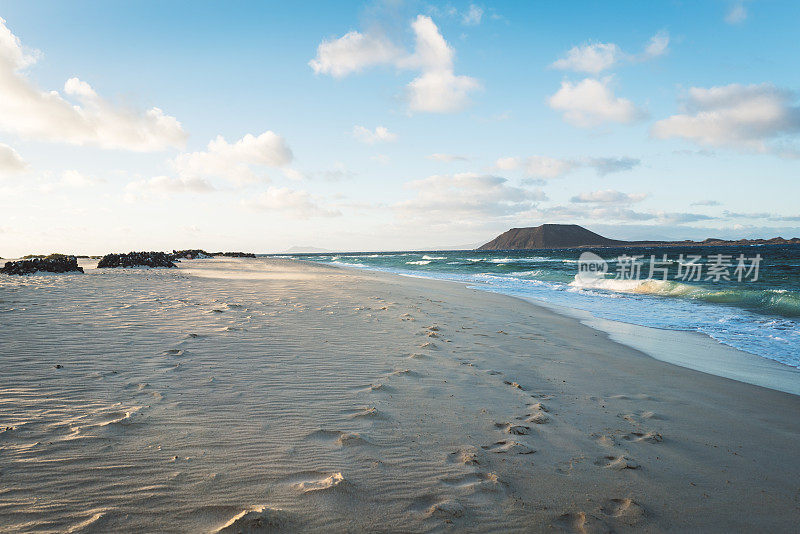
<point x="73" y="178"/>
<point x="233" y="161"/>
<point x="370" y="137"/>
<point x="657" y="46"/>
<point x="592" y="58"/>
<point x="353" y="52"/>
<point x="544" y="167"/>
<point x="76" y="87"/>
<point x="33" y="113"/>
<point x="294" y="174"/>
<point x="436" y="90"/>
<point x="440" y="92"/>
<point x="706" y="203"/>
<point x="70" y="179"/>
<point x="739" y="116"/>
<point x="608" y="196"/>
<point x="508" y="163"/>
<point x="466" y="197"/>
<point x="447" y="158"/>
<point x="605" y="166"/>
<point x="165" y="186"/>
<point x="616" y="214"/>
<point x="337" y="173"/>
<point x="297" y="204"/>
<point x="592" y="102"/>
<point x="663" y="217"/>
<point x="736" y="14"/>
<point x="473" y="16"/>
<point x="10" y="161"/>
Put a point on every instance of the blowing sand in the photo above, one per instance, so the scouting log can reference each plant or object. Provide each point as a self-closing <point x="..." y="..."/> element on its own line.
<point x="269" y="395"/>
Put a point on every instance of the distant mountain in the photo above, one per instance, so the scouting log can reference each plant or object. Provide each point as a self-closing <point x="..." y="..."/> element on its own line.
<point x="574" y="236"/>
<point x="549" y="236"/>
<point x="304" y="250"/>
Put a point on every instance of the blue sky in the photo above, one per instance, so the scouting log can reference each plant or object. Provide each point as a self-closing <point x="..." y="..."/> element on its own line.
<point x="389" y="125"/>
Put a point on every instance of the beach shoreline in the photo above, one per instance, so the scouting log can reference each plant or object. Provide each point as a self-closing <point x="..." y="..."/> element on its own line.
<point x="228" y="393"/>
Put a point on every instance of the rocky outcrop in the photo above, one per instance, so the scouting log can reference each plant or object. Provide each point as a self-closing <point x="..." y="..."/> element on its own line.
<point x="54" y="263"/>
<point x="136" y="259"/>
<point x="234" y="254"/>
<point x="191" y="254"/>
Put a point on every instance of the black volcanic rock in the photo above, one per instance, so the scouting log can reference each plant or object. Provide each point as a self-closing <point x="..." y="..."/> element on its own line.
<point x="574" y="236"/>
<point x="136" y="259"/>
<point x="191" y="254"/>
<point x="54" y="263"/>
<point x="234" y="254"/>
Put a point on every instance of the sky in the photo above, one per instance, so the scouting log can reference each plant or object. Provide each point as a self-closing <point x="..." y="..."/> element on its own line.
<point x="390" y="125"/>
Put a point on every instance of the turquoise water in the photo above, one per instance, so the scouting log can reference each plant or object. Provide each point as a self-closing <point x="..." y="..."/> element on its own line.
<point x="761" y="317"/>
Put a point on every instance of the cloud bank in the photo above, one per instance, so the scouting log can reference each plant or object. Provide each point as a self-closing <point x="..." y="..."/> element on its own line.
<point x="592" y="102"/>
<point x="86" y="119"/>
<point x="753" y="117"/>
<point x="437" y="89"/>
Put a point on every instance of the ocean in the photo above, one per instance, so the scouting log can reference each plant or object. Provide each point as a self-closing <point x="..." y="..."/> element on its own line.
<point x="754" y="308"/>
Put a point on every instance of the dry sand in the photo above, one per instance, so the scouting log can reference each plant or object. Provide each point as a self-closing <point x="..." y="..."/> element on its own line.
<point x="270" y="395"/>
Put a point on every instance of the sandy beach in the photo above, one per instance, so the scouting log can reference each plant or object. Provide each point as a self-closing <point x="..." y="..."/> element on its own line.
<point x="272" y="395"/>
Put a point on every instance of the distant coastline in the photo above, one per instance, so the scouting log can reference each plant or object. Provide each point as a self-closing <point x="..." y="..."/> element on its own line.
<point x="559" y="236"/>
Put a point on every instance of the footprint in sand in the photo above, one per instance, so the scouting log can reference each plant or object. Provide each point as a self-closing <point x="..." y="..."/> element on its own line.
<point x="404" y="372"/>
<point x="573" y="522"/>
<point x="637" y="418"/>
<point x="344" y="439"/>
<point x="565" y="468"/>
<point x="378" y="387"/>
<point x="447" y="509"/>
<point x="517" y="430"/>
<point x="487" y="481"/>
<point x="537" y="415"/>
<point x="616" y="463"/>
<point x="466" y="456"/>
<point x="508" y="446"/>
<point x="604" y="440"/>
<point x="538" y="418"/>
<point x="428" y="345"/>
<point x="644" y="437"/>
<point x="627" y="511"/>
<point x="366" y="411"/>
<point x="538" y="407"/>
<point x="320" y="483"/>
<point x="257" y="520"/>
<point x="173" y="352"/>
<point x="611" y="514"/>
<point x="513" y="384"/>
